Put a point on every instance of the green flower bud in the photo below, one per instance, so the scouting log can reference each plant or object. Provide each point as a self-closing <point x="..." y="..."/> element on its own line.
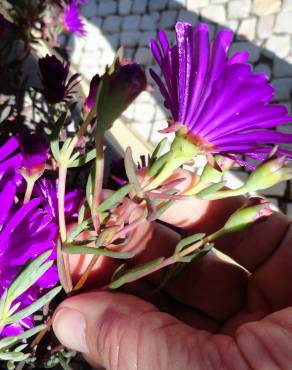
<point x="255" y="209"/>
<point x="268" y="174"/>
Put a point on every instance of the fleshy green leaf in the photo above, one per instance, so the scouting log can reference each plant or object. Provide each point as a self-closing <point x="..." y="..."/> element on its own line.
<point x="54" y="139"/>
<point x="130" y="169"/>
<point x="134" y="273"/>
<point x="188" y="241"/>
<point x="211" y="189"/>
<point x="198" y="253"/>
<point x="7" y="342"/>
<point x="61" y="268"/>
<point x="35" y="306"/>
<point x="82" y="160"/>
<point x="74" y="249"/>
<point x="115" y="198"/>
<point x="157" y="151"/>
<point x="14" y="356"/>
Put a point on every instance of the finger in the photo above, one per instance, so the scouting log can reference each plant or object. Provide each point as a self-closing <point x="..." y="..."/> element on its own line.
<point x="119" y="331"/>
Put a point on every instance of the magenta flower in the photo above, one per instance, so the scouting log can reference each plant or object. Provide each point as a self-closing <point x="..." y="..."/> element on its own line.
<point x="10" y="161"/>
<point x="54" y="75"/>
<point x="73" y="21"/>
<point x="221" y="104"/>
<point x="25" y="232"/>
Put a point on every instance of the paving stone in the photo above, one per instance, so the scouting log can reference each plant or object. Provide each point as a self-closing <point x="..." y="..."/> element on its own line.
<point x="146" y="37"/>
<point x="112" y="23"/>
<point x="283" y="88"/>
<point x="284" y="22"/>
<point x="247" y="28"/>
<point x="148" y="23"/>
<point x="197" y="4"/>
<point x="282" y="68"/>
<point x="254" y="51"/>
<point x="265" y="7"/>
<point x="130" y="38"/>
<point x="278" y="189"/>
<point x="143" y="56"/>
<point x="287" y="5"/>
<point x="168" y="19"/>
<point x="114" y="40"/>
<point x="264" y="68"/>
<point x="219" y="1"/>
<point x="131" y="23"/>
<point x="177" y="4"/>
<point x="129" y="112"/>
<point x="144" y="112"/>
<point x="97" y="22"/>
<point x="89" y="9"/>
<point x="110" y="7"/>
<point x="238" y="9"/>
<point x="279" y="45"/>
<point x="157" y="4"/>
<point x="215" y="13"/>
<point x="265" y="26"/>
<point x="125" y="7"/>
<point x="139" y="6"/>
<point x="156" y="136"/>
<point x="231" y="24"/>
<point x="188" y="16"/>
<point x="142" y="129"/>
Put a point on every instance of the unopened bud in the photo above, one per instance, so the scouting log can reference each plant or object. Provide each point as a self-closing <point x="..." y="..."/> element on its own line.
<point x="268" y="174"/>
<point x="254" y="210"/>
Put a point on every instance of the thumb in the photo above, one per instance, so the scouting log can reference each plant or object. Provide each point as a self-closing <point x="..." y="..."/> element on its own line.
<point x="119" y="331"/>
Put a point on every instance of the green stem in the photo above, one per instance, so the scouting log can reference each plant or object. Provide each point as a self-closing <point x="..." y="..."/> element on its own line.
<point x="99" y="169"/>
<point x="226" y="193"/>
<point x="28" y="191"/>
<point x="61" y="202"/>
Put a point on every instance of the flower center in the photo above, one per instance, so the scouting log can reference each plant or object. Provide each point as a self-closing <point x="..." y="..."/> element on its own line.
<point x="202" y="144"/>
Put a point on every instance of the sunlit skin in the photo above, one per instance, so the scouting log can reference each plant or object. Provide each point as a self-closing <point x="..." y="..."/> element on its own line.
<point x="218" y="314"/>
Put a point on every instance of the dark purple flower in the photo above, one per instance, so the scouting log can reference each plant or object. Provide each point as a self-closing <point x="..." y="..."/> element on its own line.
<point x="26" y="231"/>
<point x="73" y="21"/>
<point x="90" y="100"/>
<point x="54" y="75"/>
<point x="221" y="105"/>
<point x="6" y="27"/>
<point x="35" y="152"/>
<point x="46" y="191"/>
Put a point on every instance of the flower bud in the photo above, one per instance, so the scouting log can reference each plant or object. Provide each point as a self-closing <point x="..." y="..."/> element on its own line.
<point x="34" y="156"/>
<point x="268" y="174"/>
<point x="119" y="86"/>
<point x="255" y="209"/>
<point x="91" y="98"/>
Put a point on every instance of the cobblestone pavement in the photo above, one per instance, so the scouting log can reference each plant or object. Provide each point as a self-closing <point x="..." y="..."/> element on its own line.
<point x="263" y="27"/>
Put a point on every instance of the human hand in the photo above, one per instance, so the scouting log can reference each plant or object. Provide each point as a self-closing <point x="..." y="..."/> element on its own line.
<point x="224" y="316"/>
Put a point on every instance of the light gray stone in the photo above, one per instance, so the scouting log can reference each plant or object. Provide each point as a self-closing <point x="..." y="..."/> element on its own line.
<point x="114" y="40"/>
<point x="214" y="13"/>
<point x="177" y="4"/>
<point x="131" y="22"/>
<point x="265" y="7"/>
<point x="110" y="7"/>
<point x="231" y="24"/>
<point x="289" y="210"/>
<point x="275" y="190"/>
<point x="282" y="68"/>
<point x="144" y="112"/>
<point x="196" y="4"/>
<point x="283" y="87"/>
<point x="146" y="37"/>
<point x="112" y="24"/>
<point x="89" y="9"/>
<point x="157" y="4"/>
<point x="284" y="22"/>
<point x="279" y="45"/>
<point x="143" y="56"/>
<point x="239" y="9"/>
<point x="125" y="7"/>
<point x="265" y="26"/>
<point x="188" y="16"/>
<point x="219" y="1"/>
<point x="97" y="22"/>
<point x="247" y="28"/>
<point x="139" y="6"/>
<point x="168" y="19"/>
<point x="254" y="51"/>
<point x="130" y="38"/>
<point x="263" y="68"/>
<point x="142" y="129"/>
<point x="287" y="5"/>
<point x="148" y="23"/>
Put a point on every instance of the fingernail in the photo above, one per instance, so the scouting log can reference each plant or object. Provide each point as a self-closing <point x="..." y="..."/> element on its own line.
<point x="70" y="326"/>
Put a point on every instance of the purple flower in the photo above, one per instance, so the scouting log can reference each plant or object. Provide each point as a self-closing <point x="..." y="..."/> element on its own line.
<point x="221" y="105"/>
<point x="35" y="152"/>
<point x="73" y="21"/>
<point x="10" y="161"/>
<point x="90" y="100"/>
<point x="26" y="231"/>
<point x="46" y="191"/>
<point x="54" y="74"/>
